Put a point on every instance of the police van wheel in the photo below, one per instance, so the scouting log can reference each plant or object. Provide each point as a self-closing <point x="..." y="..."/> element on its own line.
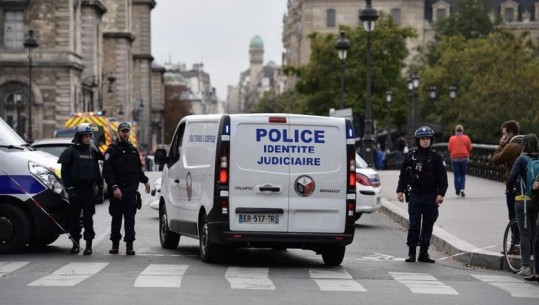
<point x="14" y="229"/>
<point x="357" y="216"/>
<point x="168" y="239"/>
<point x="44" y="240"/>
<point x="207" y="248"/>
<point x="333" y="256"/>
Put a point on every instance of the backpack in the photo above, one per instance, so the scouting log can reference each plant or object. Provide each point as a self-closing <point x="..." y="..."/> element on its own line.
<point x="532" y="171"/>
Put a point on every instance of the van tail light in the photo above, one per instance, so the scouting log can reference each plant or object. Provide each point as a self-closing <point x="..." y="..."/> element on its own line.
<point x="363" y="180"/>
<point x="351" y="171"/>
<point x="350" y="207"/>
<point x="223" y="167"/>
<point x="224" y="206"/>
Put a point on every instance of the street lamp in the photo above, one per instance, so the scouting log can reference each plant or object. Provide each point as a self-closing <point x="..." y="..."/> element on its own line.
<point x="388" y="138"/>
<point x="30" y="43"/>
<point x="368" y="17"/>
<point x="415" y="83"/>
<point x="342" y="47"/>
<point x="452" y="92"/>
<point x="432" y="93"/>
<point x="410" y="86"/>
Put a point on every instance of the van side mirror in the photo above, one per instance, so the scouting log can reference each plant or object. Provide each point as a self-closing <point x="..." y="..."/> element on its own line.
<point x="160" y="156"/>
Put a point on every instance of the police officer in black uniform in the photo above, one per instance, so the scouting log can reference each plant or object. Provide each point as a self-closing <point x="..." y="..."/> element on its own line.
<point x="423" y="176"/>
<point x="123" y="172"/>
<point x="80" y="174"/>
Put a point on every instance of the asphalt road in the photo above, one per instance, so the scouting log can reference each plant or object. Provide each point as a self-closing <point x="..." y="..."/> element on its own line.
<point x="373" y="272"/>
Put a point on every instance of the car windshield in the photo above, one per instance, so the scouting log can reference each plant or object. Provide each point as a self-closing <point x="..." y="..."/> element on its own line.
<point x="53" y="150"/>
<point x="8" y="136"/>
<point x="360" y="163"/>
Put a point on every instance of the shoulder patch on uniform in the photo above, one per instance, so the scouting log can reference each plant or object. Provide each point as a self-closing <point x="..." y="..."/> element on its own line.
<point x="107" y="155"/>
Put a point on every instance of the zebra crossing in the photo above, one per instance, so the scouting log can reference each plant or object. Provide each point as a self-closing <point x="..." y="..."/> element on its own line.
<point x="256" y="278"/>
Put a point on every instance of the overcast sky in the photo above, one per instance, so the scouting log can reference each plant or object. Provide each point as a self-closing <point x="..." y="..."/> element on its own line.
<point x="217" y="33"/>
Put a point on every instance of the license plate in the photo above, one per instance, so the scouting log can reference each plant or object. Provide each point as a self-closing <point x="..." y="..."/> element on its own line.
<point x="259" y="218"/>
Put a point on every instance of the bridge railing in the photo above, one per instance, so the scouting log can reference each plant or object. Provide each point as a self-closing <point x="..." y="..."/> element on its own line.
<point x="480" y="164"/>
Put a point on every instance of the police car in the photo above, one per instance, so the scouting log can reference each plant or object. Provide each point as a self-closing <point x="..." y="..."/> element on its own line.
<point x="33" y="204"/>
<point x="259" y="180"/>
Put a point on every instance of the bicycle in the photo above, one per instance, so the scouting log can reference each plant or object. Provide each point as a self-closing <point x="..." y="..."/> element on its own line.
<point x="511" y="247"/>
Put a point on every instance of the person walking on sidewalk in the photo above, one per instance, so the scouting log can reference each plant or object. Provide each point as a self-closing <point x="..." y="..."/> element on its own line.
<point x="424" y="177"/>
<point x="460" y="147"/>
<point x="508" y="150"/>
<point x="80" y="174"/>
<point x="526" y="212"/>
<point x="123" y="172"/>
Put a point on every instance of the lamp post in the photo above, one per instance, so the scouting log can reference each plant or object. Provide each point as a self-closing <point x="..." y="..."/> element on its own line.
<point x="388" y="138"/>
<point x="368" y="17"/>
<point x="432" y="93"/>
<point x="342" y="47"/>
<point x="410" y="87"/>
<point x="452" y="92"/>
<point x="415" y="83"/>
<point x="30" y="43"/>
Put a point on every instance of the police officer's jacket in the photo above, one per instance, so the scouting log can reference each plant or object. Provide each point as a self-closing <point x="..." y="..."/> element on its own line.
<point x="424" y="171"/>
<point x="122" y="165"/>
<point x="80" y="165"/>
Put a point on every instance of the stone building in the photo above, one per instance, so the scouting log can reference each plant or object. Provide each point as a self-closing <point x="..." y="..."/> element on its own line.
<point x="307" y="16"/>
<point x="256" y="81"/>
<point x="92" y="55"/>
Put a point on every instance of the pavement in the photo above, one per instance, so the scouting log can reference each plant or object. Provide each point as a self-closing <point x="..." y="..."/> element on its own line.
<point x="470" y="229"/>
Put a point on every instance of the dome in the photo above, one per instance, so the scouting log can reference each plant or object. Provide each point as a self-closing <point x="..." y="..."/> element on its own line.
<point x="256" y="42"/>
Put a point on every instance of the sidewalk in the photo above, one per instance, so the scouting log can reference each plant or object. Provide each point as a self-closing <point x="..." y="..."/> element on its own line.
<point x="469" y="229"/>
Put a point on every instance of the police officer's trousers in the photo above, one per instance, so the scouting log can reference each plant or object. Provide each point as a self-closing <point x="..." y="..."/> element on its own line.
<point x="422" y="213"/>
<point x="125" y="208"/>
<point x="85" y="203"/>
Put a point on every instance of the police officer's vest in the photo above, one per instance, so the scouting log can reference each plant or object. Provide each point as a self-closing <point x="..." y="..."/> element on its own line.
<point x="423" y="172"/>
<point x="84" y="166"/>
<point x="125" y="163"/>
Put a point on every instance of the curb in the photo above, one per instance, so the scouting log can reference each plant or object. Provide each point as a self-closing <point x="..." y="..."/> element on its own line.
<point x="456" y="248"/>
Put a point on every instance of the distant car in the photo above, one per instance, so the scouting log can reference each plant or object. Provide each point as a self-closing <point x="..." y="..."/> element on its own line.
<point x="368" y="189"/>
<point x="156" y="193"/>
<point x="56" y="146"/>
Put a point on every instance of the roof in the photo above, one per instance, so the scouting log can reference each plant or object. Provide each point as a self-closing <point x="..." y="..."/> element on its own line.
<point x="256" y="42"/>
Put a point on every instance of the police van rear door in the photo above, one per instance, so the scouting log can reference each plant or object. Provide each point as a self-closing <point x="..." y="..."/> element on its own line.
<point x="259" y="173"/>
<point x="318" y="174"/>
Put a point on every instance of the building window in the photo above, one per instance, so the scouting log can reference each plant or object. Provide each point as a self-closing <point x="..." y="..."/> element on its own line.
<point x="330" y="18"/>
<point x="396" y="14"/>
<point x="509" y="11"/>
<point x="508" y="14"/>
<point x="441" y="13"/>
<point x="13" y="30"/>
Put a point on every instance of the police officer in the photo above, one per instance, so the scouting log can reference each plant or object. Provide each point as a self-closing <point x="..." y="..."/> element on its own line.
<point x="80" y="174"/>
<point x="123" y="172"/>
<point x="423" y="176"/>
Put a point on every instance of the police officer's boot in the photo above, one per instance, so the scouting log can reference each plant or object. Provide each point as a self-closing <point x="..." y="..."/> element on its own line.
<point x="424" y="256"/>
<point x="411" y="255"/>
<point x="88" y="249"/>
<point x="129" y="248"/>
<point x="115" y="247"/>
<point x="76" y="248"/>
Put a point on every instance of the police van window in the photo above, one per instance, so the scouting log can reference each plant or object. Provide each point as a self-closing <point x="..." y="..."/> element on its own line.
<point x="175" y="147"/>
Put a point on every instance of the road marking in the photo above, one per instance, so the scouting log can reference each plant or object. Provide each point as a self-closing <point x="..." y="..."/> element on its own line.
<point x="422" y="283"/>
<point x="334" y="280"/>
<point x="8" y="267"/>
<point x="70" y="275"/>
<point x="161" y="275"/>
<point x="514" y="286"/>
<point x="378" y="257"/>
<point x="249" y="278"/>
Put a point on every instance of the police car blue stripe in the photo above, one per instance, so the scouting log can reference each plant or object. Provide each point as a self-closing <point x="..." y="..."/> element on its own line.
<point x="28" y="182"/>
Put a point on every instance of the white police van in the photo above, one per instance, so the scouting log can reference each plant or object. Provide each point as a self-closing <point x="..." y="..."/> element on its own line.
<point x="259" y="180"/>
<point x="33" y="203"/>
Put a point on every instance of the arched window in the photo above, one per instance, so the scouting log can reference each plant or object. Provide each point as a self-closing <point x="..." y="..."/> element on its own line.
<point x="14" y="111"/>
<point x="509" y="11"/>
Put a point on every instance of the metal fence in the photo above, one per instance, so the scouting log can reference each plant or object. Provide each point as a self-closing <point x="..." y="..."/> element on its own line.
<point x="480" y="164"/>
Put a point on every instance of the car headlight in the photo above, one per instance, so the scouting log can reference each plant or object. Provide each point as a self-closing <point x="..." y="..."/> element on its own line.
<point x="46" y="176"/>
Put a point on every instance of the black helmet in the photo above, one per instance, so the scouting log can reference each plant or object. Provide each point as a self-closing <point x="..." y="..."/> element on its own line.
<point x="85" y="128"/>
<point x="424" y="131"/>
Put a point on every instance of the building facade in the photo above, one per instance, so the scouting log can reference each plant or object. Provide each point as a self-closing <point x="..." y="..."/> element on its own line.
<point x="92" y="55"/>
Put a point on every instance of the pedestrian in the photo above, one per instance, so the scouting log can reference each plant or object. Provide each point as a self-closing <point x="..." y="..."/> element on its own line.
<point x="525" y="211"/>
<point x="81" y="175"/>
<point x="424" y="178"/>
<point x="508" y="150"/>
<point x="535" y="200"/>
<point x="401" y="148"/>
<point x="123" y="172"/>
<point x="460" y="147"/>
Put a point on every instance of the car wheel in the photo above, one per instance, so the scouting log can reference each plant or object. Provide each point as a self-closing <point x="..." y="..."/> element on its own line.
<point x="44" y="240"/>
<point x="357" y="216"/>
<point x="333" y="256"/>
<point x="208" y="249"/>
<point x="168" y="239"/>
<point x="14" y="228"/>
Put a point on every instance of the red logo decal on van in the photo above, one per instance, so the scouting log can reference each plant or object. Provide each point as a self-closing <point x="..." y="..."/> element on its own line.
<point x="304" y="186"/>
